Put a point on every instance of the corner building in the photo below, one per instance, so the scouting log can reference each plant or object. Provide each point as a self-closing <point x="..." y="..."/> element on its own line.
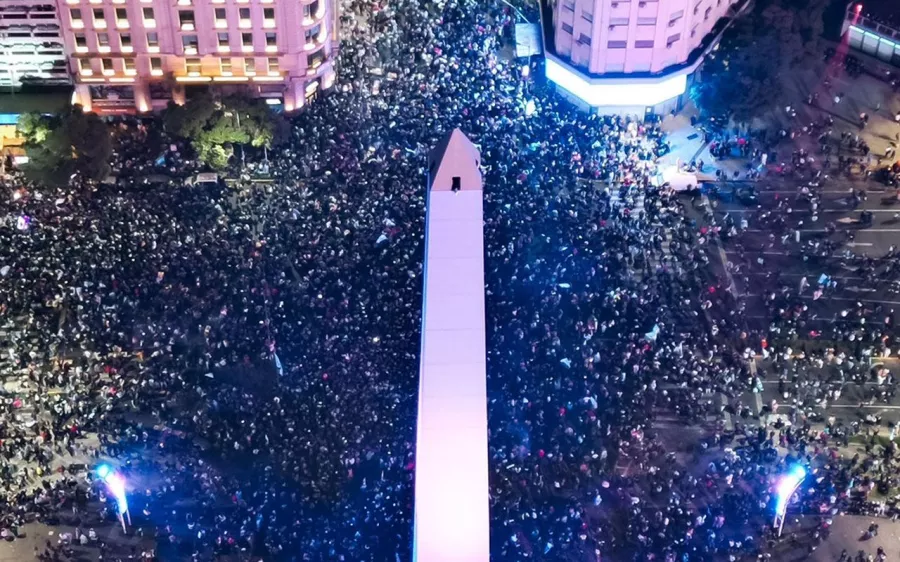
<point x="630" y="56"/>
<point x="137" y="55"/>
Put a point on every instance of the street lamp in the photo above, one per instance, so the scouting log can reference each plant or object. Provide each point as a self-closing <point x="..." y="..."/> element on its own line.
<point x="115" y="483"/>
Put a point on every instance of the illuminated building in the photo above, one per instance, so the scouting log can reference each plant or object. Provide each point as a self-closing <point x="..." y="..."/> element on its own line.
<point x="865" y="32"/>
<point x="128" y="55"/>
<point x="31" y="44"/>
<point x="451" y="486"/>
<point x="630" y="55"/>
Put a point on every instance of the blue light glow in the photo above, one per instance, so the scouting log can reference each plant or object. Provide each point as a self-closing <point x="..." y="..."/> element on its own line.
<point x="787" y="486"/>
<point x="103" y="471"/>
<point x="599" y="93"/>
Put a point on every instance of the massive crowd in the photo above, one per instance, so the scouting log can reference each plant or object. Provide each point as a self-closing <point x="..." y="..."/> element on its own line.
<point x="247" y="353"/>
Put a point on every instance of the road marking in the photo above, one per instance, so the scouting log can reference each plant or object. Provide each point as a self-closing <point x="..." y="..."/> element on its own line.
<point x="819" y="230"/>
<point x="806" y="211"/>
<point x="839" y="277"/>
<point x="864" y="406"/>
<point x="831" y="298"/>
<point x="764" y="191"/>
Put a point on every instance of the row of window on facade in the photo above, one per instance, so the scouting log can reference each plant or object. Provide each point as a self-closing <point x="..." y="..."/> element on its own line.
<point x="186" y="18"/>
<point x="638" y="44"/>
<point x="190" y="43"/>
<point x="227" y="66"/>
<point x="641" y="21"/>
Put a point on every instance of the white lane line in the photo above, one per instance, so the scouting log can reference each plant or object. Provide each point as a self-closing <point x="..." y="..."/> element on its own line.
<point x="782" y="274"/>
<point x="820" y="230"/>
<point x="805" y="211"/>
<point x="863" y="407"/>
<point x="832" y="298"/>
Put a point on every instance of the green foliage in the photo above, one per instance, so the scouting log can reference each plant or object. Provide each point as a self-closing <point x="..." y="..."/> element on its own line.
<point x="744" y="77"/>
<point x="64" y="144"/>
<point x="215" y="126"/>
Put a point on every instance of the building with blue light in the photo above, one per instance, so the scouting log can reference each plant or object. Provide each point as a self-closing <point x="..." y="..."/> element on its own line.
<point x="630" y="56"/>
<point x="864" y="31"/>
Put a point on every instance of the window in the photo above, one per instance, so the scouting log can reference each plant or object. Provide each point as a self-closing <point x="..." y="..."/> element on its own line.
<point x="149" y="19"/>
<point x="312" y="34"/>
<point x="153" y="42"/>
<point x="103" y="41"/>
<point x="129" y="66"/>
<point x="584" y="39"/>
<point x="676" y="16"/>
<point x="272" y="63"/>
<point x="567" y="28"/>
<point x="569" y="6"/>
<point x="706" y="14"/>
<point x="156" y="65"/>
<point x="125" y="41"/>
<point x="193" y="67"/>
<point x="643" y="44"/>
<point x="693" y="32"/>
<point x="672" y="39"/>
<point x="75" y="16"/>
<point x="84" y="67"/>
<point x="223" y="40"/>
<point x="247" y="41"/>
<point x="186" y="18"/>
<point x="587" y="16"/>
<point x="617" y="21"/>
<point x="646" y="21"/>
<point x="269" y="17"/>
<point x="225" y="67"/>
<point x="271" y="41"/>
<point x="310" y="10"/>
<point x="221" y="18"/>
<point x="249" y="66"/>
<point x="121" y="14"/>
<point x="80" y="41"/>
<point x="244" y="15"/>
<point x="99" y="18"/>
<point x="617" y="44"/>
<point x="107" y="66"/>
<point x="189" y="42"/>
<point x="315" y="60"/>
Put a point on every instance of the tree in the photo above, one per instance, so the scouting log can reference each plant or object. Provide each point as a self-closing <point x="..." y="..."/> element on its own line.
<point x="60" y="145"/>
<point x="744" y="77"/>
<point x="215" y="126"/>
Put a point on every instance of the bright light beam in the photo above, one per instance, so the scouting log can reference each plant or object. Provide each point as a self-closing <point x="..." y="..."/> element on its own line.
<point x="784" y="490"/>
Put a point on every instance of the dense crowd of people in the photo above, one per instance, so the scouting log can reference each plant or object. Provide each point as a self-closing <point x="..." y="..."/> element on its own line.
<point x="247" y="354"/>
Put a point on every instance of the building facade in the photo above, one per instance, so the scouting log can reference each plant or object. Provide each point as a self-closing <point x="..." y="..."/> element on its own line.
<point x="866" y="32"/>
<point x="31" y="44"/>
<point x="137" y="55"/>
<point x="630" y="54"/>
